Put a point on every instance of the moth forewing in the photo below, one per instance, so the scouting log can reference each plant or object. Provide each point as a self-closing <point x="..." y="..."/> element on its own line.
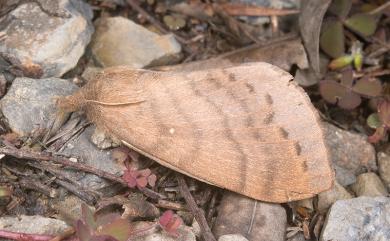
<point x="245" y="128"/>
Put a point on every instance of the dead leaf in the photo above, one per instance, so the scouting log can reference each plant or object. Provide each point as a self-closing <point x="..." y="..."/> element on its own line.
<point x="310" y="22"/>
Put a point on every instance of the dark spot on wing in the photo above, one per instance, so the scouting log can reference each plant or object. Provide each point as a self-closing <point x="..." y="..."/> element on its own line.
<point x="257" y="135"/>
<point x="304" y="166"/>
<point x="284" y="132"/>
<point x="268" y="118"/>
<point x="232" y="77"/>
<point x="298" y="148"/>
<point x="268" y="98"/>
<point x="250" y="87"/>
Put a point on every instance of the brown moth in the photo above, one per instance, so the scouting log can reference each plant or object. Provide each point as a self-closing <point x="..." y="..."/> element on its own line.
<point x="247" y="128"/>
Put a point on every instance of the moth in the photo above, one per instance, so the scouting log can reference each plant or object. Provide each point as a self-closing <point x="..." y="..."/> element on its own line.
<point x="247" y="128"/>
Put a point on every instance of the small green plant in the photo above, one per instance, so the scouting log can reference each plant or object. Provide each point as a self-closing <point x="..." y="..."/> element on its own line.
<point x="347" y="92"/>
<point x="380" y="121"/>
<point x="113" y="227"/>
<point x="332" y="39"/>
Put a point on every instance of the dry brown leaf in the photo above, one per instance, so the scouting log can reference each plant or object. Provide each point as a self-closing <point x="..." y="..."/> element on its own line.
<point x="310" y="22"/>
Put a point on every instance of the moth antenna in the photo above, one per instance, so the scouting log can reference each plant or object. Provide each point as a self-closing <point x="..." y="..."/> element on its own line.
<point x="114" y="104"/>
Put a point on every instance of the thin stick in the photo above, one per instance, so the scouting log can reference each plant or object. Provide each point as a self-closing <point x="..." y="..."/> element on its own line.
<point x="35" y="156"/>
<point x="380" y="8"/>
<point x="24" y="236"/>
<point x="196" y="211"/>
<point x="153" y="21"/>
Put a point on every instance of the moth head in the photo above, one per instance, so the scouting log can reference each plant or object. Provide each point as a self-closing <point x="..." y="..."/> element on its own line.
<point x="70" y="103"/>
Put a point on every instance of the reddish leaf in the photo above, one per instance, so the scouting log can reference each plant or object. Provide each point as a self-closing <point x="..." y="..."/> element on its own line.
<point x="152" y="180"/>
<point x="384" y="112"/>
<point x="146" y="172"/>
<point x="142" y="181"/>
<point x="130" y="178"/>
<point x="378" y="135"/>
<point x="334" y="92"/>
<point x="349" y="101"/>
<point x="170" y="222"/>
<point x="83" y="231"/>
<point x="331" y="91"/>
<point x="368" y="87"/>
<point x="139" y="178"/>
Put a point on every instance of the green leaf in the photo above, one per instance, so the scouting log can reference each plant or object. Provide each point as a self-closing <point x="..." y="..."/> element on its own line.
<point x="5" y="192"/>
<point x="121" y="229"/>
<point x="332" y="38"/>
<point x="364" y="24"/>
<point x="88" y="216"/>
<point x="373" y="121"/>
<point x="175" y="21"/>
<point x="341" y="62"/>
<point x="340" y="7"/>
<point x="358" y="61"/>
<point x="366" y="86"/>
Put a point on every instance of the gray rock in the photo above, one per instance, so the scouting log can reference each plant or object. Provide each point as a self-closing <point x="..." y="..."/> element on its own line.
<point x="369" y="184"/>
<point x="384" y="168"/>
<point x="358" y="219"/>
<point x="184" y="234"/>
<point x="351" y="154"/>
<point x="103" y="141"/>
<point x="232" y="237"/>
<point x="68" y="208"/>
<point x="119" y="41"/>
<point x="33" y="224"/>
<point x="47" y="40"/>
<point x="255" y="220"/>
<point x="84" y="149"/>
<point x="30" y="103"/>
<point x="196" y="228"/>
<point x="327" y="198"/>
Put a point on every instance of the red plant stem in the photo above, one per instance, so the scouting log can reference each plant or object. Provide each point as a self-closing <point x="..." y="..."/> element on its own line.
<point x="24" y="236"/>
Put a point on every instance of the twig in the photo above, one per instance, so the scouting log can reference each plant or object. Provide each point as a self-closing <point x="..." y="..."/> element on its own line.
<point x="24" y="236"/>
<point x="32" y="184"/>
<point x="236" y="9"/>
<point x="196" y="211"/>
<point x="170" y="205"/>
<point x="153" y="21"/>
<point x="380" y="8"/>
<point x="89" y="199"/>
<point x="35" y="156"/>
<point x="66" y="182"/>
